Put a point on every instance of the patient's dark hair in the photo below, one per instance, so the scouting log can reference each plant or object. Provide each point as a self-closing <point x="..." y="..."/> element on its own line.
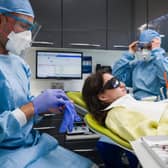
<point x="91" y="88"/>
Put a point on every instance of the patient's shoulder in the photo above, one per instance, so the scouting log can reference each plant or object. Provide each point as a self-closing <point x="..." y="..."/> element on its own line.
<point x="117" y="109"/>
<point x="121" y="112"/>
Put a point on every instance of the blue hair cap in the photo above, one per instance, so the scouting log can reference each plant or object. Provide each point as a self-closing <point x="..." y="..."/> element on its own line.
<point x="16" y="6"/>
<point x="148" y="35"/>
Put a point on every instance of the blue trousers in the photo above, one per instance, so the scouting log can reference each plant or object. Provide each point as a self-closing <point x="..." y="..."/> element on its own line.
<point x="112" y="154"/>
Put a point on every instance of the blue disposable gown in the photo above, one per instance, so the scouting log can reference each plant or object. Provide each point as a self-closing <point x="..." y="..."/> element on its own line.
<point x="145" y="77"/>
<point x="23" y="147"/>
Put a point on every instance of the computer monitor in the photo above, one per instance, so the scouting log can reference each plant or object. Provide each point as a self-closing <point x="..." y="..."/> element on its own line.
<point x="58" y="65"/>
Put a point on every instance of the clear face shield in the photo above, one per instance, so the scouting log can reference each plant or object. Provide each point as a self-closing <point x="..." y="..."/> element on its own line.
<point x="35" y="30"/>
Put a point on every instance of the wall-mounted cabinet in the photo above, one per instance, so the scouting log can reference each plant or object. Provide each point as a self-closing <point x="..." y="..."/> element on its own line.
<point x="84" y="24"/>
<point x="91" y="24"/>
<point x="120" y="23"/>
<point x="48" y="14"/>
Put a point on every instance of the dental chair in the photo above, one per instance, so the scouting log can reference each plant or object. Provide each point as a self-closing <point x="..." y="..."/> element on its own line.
<point x="93" y="125"/>
<point x="76" y="97"/>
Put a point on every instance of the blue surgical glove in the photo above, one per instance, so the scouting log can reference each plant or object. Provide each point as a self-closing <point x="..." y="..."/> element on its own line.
<point x="50" y="98"/>
<point x="70" y="116"/>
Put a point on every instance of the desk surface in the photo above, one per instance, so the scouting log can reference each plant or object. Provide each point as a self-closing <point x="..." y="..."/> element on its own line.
<point x="146" y="160"/>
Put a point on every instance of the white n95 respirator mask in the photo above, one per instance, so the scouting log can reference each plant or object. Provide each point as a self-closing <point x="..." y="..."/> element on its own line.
<point x="18" y="42"/>
<point x="144" y="55"/>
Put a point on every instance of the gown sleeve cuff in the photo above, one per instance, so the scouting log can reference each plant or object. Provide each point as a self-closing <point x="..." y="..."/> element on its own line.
<point x="20" y="116"/>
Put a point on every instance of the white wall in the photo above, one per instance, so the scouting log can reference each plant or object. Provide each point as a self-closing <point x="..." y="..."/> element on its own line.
<point x="104" y="57"/>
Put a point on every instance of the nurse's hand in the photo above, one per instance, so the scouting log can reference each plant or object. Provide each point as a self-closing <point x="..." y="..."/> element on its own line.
<point x="133" y="47"/>
<point x="49" y="99"/>
<point x="70" y="116"/>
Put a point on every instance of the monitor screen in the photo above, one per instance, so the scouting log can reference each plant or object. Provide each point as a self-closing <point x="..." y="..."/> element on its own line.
<point x="58" y="65"/>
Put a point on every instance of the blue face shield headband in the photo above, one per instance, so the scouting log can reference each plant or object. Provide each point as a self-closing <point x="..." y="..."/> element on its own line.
<point x="27" y="25"/>
<point x="113" y="83"/>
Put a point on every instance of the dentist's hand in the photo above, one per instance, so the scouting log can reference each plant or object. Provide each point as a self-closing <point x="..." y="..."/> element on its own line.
<point x="49" y="99"/>
<point x="70" y="116"/>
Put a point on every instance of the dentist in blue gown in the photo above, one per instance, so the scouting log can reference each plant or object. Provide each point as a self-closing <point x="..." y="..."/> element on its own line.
<point x="20" y="145"/>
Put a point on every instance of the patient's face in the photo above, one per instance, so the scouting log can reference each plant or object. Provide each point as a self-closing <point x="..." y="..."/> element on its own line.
<point x="110" y="95"/>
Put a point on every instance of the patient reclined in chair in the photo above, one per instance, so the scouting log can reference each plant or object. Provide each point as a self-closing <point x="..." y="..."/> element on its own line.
<point x="123" y="124"/>
<point x="127" y="125"/>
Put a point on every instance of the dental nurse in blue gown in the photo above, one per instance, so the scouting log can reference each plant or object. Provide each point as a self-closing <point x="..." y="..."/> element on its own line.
<point x="20" y="145"/>
<point x="142" y="68"/>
